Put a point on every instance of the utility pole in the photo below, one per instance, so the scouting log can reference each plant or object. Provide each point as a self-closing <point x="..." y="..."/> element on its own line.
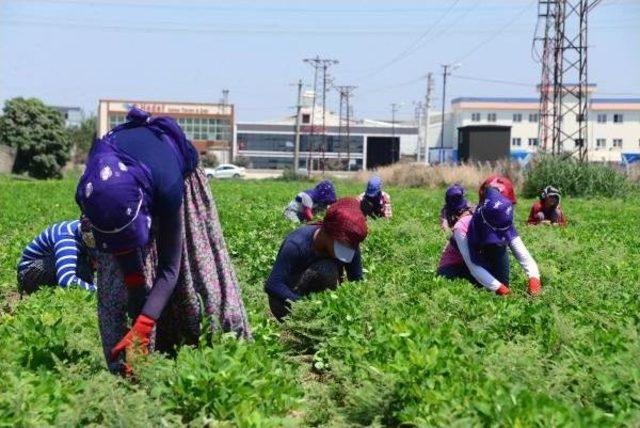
<point x="446" y="68"/>
<point x="444" y="96"/>
<point x="325" y="66"/>
<point x="394" y="109"/>
<point x="427" y="108"/>
<point x="315" y="63"/>
<point x="296" y="149"/>
<point x="345" y="94"/>
<point x="319" y="63"/>
<point x="418" y="116"/>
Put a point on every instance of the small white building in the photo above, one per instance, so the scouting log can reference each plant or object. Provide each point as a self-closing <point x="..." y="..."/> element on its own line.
<point x="613" y="124"/>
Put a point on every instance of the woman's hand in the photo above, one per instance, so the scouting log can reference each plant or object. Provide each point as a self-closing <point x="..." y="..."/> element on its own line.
<point x="137" y="336"/>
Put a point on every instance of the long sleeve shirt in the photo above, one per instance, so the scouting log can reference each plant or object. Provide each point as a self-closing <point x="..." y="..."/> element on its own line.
<point x="376" y="208"/>
<point x="538" y="214"/>
<point x="296" y="254"/>
<point x="63" y="242"/>
<point x="461" y="253"/>
<point x="163" y="164"/>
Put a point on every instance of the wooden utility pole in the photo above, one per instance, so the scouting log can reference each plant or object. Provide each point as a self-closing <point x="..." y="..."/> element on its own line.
<point x="296" y="149"/>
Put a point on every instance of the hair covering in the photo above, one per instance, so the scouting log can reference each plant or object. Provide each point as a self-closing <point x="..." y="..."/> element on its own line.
<point x="114" y="194"/>
<point x="503" y="184"/>
<point x="492" y="222"/>
<point x="454" y="199"/>
<point x="115" y="191"/>
<point x="374" y="186"/>
<point x="345" y="222"/>
<point x="324" y="192"/>
<point x="550" y="191"/>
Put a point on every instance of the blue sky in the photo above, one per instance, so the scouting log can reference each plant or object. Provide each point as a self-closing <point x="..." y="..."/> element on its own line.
<point x="74" y="52"/>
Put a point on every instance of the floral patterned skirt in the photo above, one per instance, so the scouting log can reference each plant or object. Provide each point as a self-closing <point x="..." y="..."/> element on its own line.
<point x="207" y="293"/>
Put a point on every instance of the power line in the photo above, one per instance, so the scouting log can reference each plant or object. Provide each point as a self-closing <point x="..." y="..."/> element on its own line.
<point x="411" y="48"/>
<point x="497" y="33"/>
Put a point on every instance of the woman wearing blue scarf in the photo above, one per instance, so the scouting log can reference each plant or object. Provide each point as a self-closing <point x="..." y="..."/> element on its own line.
<point x="162" y="251"/>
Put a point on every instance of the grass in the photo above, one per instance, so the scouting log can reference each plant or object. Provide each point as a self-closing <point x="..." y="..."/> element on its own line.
<point x="401" y="348"/>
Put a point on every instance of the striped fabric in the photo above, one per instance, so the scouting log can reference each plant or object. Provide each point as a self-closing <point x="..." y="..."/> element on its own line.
<point x="62" y="241"/>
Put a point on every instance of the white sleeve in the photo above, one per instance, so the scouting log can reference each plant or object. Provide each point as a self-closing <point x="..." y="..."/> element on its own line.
<point x="523" y="256"/>
<point x="479" y="273"/>
<point x="307" y="202"/>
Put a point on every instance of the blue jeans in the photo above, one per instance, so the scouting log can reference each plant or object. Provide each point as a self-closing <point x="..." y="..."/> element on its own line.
<point x="495" y="261"/>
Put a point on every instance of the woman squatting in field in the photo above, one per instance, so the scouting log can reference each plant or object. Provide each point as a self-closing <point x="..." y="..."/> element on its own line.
<point x="547" y="210"/>
<point x="374" y="202"/>
<point x="62" y="254"/>
<point x="455" y="205"/>
<point x="313" y="257"/>
<point x="161" y="247"/>
<point x="478" y="247"/>
<point x="311" y="202"/>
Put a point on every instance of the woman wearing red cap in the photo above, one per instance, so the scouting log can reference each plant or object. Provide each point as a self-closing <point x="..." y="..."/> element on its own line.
<point x="312" y="257"/>
<point x="163" y="262"/>
<point x="502" y="184"/>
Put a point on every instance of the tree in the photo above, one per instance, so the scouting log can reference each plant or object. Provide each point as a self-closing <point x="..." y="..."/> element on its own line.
<point x="39" y="135"/>
<point x="82" y="137"/>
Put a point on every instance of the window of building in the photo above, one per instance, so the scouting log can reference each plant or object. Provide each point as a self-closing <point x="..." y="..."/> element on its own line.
<point x="617" y="143"/>
<point x="206" y="129"/>
<point x="306" y="118"/>
<point x="601" y="143"/>
<point x="516" y="142"/>
<point x="116" y="119"/>
<point x="579" y="117"/>
<point x="533" y="142"/>
<point x="491" y="117"/>
<point x="517" y="117"/>
<point x="533" y="117"/>
<point x="602" y="118"/>
<point x="618" y="118"/>
<point x="475" y="117"/>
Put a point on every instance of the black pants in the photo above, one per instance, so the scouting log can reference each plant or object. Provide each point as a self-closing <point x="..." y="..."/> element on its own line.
<point x="43" y="272"/>
<point x="319" y="276"/>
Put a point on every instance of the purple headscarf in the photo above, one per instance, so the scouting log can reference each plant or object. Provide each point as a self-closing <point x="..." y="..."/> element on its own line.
<point x="115" y="191"/>
<point x="492" y="222"/>
<point x="323" y="193"/>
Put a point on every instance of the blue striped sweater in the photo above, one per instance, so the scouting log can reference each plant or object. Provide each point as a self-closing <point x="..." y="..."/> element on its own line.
<point x="63" y="241"/>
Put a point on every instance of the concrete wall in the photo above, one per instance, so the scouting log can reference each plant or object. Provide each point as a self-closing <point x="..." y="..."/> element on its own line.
<point x="7" y="158"/>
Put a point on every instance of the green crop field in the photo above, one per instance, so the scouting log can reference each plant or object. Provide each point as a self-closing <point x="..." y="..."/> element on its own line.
<point x="401" y="348"/>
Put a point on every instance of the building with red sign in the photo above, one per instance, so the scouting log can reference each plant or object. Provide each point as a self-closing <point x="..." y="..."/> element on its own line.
<point x="209" y="126"/>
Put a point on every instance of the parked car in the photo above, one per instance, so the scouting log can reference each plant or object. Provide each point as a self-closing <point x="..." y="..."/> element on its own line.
<point x="225" y="170"/>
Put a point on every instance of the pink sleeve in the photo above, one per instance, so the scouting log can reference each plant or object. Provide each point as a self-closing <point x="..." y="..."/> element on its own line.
<point x="463" y="224"/>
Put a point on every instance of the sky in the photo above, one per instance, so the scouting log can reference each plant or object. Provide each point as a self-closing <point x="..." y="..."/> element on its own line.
<point x="74" y="52"/>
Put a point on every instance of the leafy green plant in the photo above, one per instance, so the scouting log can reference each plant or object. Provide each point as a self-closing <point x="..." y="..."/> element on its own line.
<point x="575" y="179"/>
<point x="403" y="347"/>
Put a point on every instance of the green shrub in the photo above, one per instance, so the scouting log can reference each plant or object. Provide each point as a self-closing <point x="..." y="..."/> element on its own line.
<point x="575" y="179"/>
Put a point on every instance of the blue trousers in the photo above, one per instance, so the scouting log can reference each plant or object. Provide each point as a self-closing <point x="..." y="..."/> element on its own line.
<point x="496" y="262"/>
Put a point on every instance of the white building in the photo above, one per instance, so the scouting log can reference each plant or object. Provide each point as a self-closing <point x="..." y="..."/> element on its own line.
<point x="370" y="143"/>
<point x="613" y="124"/>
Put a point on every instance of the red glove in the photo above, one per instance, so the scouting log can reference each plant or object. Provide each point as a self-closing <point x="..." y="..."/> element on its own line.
<point x="138" y="335"/>
<point x="134" y="280"/>
<point x="308" y="214"/>
<point x="503" y="290"/>
<point x="534" y="286"/>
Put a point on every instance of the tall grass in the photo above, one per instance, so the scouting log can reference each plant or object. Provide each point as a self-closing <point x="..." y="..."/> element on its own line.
<point x="418" y="175"/>
<point x="575" y="179"/>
